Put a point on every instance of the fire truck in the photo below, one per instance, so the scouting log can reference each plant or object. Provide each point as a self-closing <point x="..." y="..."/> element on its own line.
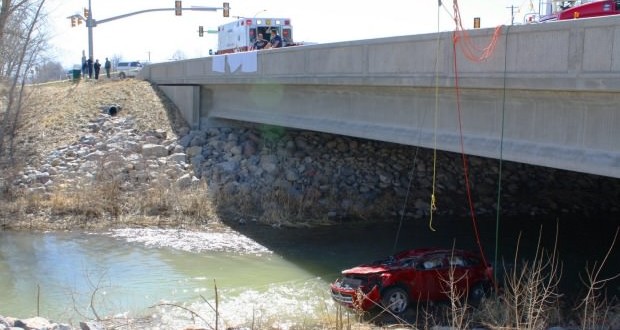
<point x="240" y="35"/>
<point x="572" y="9"/>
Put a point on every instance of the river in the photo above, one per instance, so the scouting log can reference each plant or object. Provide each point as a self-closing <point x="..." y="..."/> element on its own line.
<point x="262" y="273"/>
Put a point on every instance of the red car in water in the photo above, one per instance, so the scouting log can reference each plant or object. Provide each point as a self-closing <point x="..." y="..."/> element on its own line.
<point x="413" y="276"/>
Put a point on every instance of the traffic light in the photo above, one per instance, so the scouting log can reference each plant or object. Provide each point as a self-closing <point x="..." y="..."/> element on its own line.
<point x="476" y="22"/>
<point x="79" y="21"/>
<point x="177" y="7"/>
<point x="201" y="31"/>
<point x="86" y="13"/>
<point x="72" y="21"/>
<point x="226" y="9"/>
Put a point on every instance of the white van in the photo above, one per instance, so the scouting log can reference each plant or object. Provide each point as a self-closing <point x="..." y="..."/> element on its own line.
<point x="128" y="69"/>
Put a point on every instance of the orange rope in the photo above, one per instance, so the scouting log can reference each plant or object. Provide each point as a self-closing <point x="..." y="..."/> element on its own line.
<point x="470" y="51"/>
<point x="464" y="158"/>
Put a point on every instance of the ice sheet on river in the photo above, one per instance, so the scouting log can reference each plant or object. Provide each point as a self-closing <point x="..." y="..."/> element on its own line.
<point x="192" y="241"/>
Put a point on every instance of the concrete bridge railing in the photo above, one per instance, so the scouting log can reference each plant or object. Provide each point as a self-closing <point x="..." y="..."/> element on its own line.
<point x="547" y="95"/>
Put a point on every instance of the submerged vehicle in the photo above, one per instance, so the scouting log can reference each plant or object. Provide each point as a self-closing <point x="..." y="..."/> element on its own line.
<point x="410" y="276"/>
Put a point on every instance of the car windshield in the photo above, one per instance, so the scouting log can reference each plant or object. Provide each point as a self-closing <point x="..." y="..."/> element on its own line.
<point x="392" y="261"/>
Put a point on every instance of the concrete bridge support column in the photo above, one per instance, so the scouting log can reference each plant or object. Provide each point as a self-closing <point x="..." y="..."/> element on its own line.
<point x="187" y="99"/>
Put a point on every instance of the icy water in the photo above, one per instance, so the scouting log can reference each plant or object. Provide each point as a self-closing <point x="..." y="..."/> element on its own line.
<point x="140" y="272"/>
<point x="262" y="274"/>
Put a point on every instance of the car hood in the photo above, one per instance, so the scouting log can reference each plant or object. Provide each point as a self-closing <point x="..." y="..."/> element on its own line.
<point x="366" y="269"/>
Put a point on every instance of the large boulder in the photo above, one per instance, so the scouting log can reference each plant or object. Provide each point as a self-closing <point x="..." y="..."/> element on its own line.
<point x="150" y="150"/>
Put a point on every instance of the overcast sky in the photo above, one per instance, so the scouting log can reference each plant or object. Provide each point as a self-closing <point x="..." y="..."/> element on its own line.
<point x="157" y="36"/>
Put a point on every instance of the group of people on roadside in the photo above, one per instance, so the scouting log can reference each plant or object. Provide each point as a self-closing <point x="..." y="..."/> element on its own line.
<point x="89" y="68"/>
<point x="274" y="42"/>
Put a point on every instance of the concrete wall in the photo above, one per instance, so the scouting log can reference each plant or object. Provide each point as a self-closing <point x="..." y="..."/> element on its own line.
<point x="547" y="94"/>
<point x="187" y="99"/>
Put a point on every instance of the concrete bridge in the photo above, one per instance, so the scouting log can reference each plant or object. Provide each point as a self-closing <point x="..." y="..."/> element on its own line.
<point x="546" y="94"/>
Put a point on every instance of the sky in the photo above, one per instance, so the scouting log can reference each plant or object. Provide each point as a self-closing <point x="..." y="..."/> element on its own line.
<point x="157" y="36"/>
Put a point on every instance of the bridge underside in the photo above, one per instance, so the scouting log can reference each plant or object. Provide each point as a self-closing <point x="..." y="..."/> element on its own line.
<point x="512" y="124"/>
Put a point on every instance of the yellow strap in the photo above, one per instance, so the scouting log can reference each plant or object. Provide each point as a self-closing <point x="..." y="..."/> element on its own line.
<point x="433" y="208"/>
<point x="433" y="201"/>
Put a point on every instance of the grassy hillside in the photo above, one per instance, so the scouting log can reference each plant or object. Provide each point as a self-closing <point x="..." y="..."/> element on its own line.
<point x="55" y="117"/>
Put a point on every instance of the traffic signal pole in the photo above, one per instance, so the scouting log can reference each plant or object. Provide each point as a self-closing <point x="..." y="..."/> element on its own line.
<point x="97" y="22"/>
<point x="90" y="32"/>
<point x="91" y="23"/>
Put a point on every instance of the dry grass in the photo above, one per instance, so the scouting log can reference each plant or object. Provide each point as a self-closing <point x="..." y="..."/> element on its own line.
<point x="56" y="115"/>
<point x="101" y="205"/>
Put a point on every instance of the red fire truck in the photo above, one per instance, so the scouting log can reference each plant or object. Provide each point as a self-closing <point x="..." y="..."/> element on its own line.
<point x="239" y="36"/>
<point x="572" y="9"/>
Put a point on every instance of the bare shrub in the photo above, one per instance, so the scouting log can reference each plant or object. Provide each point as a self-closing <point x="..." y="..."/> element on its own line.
<point x="165" y="200"/>
<point x="530" y="297"/>
<point x="458" y="316"/>
<point x="595" y="309"/>
<point x="193" y="202"/>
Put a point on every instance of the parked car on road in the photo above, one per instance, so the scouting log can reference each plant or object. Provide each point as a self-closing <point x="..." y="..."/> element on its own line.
<point x="416" y="275"/>
<point x="128" y="69"/>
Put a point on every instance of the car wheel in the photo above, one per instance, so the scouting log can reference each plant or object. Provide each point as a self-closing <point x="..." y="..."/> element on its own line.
<point x="121" y="75"/>
<point x="395" y="300"/>
<point x="477" y="292"/>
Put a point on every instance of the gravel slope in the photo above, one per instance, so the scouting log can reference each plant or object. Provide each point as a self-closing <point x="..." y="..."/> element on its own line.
<point x="58" y="112"/>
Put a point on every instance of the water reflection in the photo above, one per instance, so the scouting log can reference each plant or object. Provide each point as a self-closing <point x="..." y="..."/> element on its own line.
<point x="128" y="277"/>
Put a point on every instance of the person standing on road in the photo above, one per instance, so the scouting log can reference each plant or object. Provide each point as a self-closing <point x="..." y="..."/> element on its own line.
<point x="84" y="64"/>
<point x="89" y="63"/>
<point x="107" y="67"/>
<point x="97" y="69"/>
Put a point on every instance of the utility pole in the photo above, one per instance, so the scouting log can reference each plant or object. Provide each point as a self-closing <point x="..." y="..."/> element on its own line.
<point x="89" y="23"/>
<point x="512" y="14"/>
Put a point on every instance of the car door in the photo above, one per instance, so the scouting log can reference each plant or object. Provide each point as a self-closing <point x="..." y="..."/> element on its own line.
<point x="427" y="280"/>
<point x="457" y="274"/>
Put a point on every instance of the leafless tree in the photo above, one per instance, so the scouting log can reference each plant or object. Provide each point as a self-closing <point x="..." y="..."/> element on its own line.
<point x="179" y="55"/>
<point x="22" y="40"/>
<point x="8" y="8"/>
<point x="116" y="58"/>
<point x="49" y="71"/>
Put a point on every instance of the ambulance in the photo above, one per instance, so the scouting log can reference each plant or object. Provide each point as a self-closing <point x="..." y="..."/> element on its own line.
<point x="239" y="36"/>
